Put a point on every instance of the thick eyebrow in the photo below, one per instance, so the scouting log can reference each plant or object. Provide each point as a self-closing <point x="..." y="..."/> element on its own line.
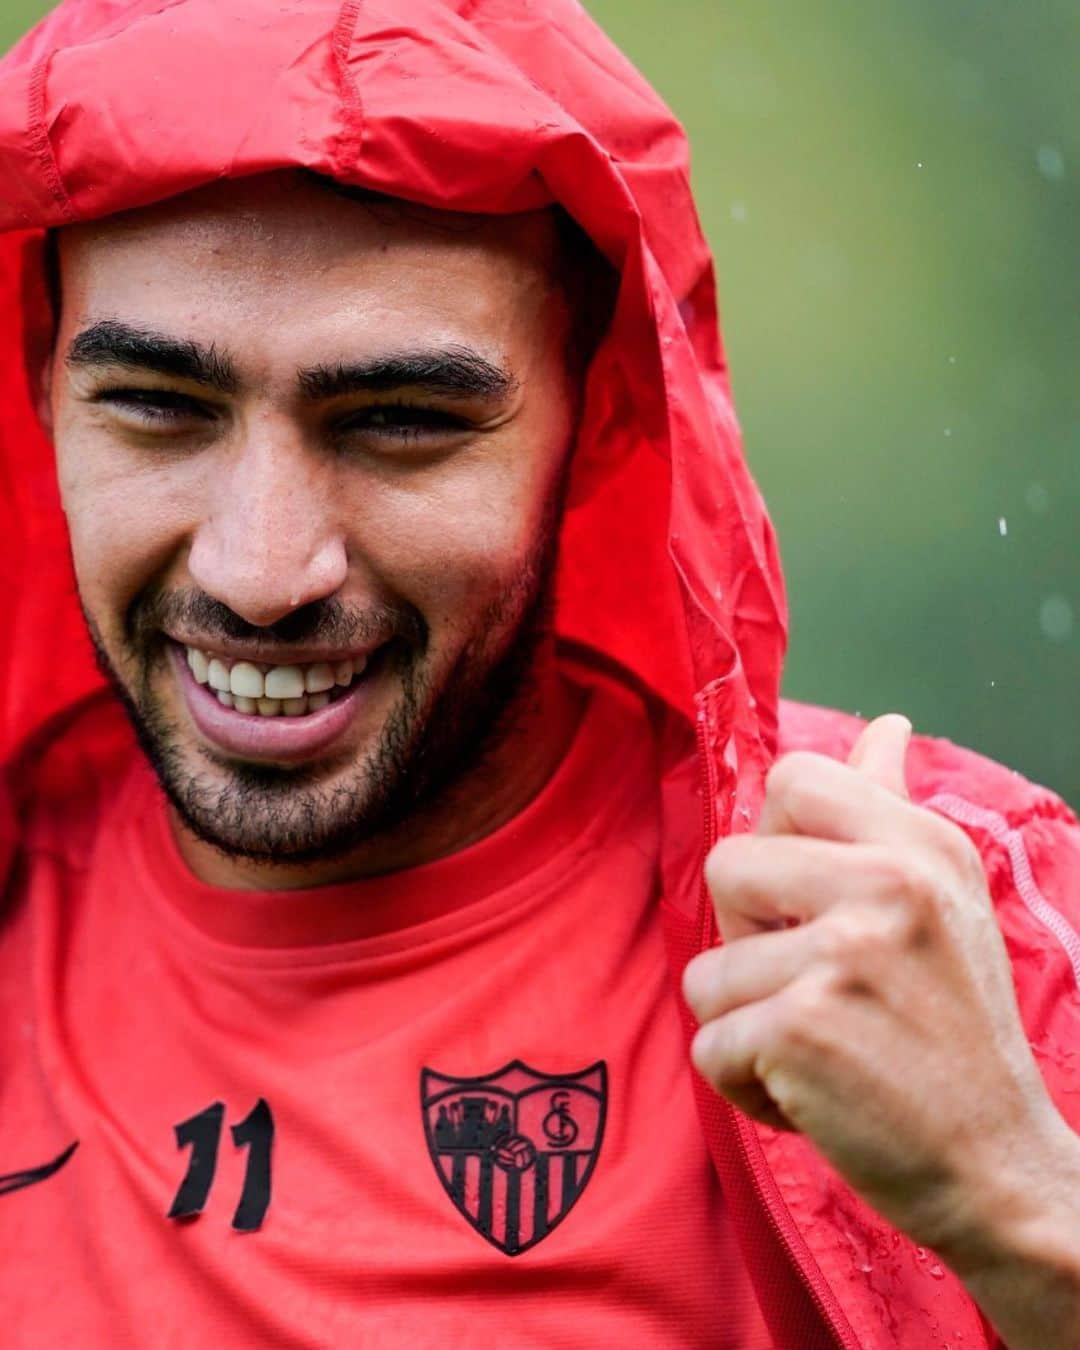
<point x="111" y="343"/>
<point x="451" y="372"/>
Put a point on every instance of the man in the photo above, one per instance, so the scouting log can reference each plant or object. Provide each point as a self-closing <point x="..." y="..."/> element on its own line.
<point x="349" y="917"/>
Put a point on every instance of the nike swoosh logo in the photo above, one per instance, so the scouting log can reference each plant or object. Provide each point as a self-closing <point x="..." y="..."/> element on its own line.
<point x="15" y="1181"/>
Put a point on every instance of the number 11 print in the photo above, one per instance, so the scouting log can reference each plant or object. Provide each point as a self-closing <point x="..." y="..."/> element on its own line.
<point x="203" y="1133"/>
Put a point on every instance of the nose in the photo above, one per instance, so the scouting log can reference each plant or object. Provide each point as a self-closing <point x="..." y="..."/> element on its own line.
<point x="271" y="540"/>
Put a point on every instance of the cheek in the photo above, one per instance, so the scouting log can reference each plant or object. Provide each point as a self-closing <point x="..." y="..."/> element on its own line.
<point x="454" y="545"/>
<point x="126" y="523"/>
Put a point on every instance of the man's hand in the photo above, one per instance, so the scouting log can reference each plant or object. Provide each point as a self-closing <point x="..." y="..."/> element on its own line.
<point x="864" y="997"/>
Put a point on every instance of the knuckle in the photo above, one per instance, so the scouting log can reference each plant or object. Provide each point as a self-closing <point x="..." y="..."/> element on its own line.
<point x="794" y="776"/>
<point x="906" y="880"/>
<point x="704" y="981"/>
<point x="716" y="865"/>
<point x="912" y="903"/>
<point x="728" y="868"/>
<point x="960" y="853"/>
<point x="803" y="1016"/>
<point x="862" y="941"/>
<point x="710" y="1052"/>
<point x="857" y="938"/>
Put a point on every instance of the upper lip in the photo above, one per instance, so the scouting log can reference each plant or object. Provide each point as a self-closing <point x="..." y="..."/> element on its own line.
<point x="277" y="656"/>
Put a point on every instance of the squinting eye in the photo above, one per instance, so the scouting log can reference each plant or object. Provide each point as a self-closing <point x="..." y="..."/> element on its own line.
<point x="401" y="421"/>
<point x="154" y="407"/>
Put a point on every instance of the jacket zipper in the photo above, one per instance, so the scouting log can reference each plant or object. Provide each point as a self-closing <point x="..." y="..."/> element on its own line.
<point x="752" y="1155"/>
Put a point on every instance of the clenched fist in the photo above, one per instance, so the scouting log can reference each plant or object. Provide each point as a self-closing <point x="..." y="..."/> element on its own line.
<point x="864" y="997"/>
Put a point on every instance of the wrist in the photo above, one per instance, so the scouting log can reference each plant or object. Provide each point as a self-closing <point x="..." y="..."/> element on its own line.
<point x="1020" y="1258"/>
<point x="1025" y="1210"/>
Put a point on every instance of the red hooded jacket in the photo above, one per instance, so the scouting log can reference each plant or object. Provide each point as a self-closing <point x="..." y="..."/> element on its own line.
<point x="668" y="565"/>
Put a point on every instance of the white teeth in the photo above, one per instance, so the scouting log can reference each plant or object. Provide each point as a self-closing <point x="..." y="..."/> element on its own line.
<point x="292" y="690"/>
<point x="246" y="680"/>
<point x="284" y="682"/>
<point x="318" y="678"/>
<point x="218" y="676"/>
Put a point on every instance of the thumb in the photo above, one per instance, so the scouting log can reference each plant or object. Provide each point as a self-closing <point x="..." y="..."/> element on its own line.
<point x="880" y="750"/>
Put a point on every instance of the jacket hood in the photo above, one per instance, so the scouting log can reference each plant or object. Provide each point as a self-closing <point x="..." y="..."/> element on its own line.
<point x="667" y="565"/>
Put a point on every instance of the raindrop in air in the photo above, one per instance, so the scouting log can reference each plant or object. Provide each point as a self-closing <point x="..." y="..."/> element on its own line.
<point x="1056" y="618"/>
<point x="1003" y="526"/>
<point x="1051" y="162"/>
<point x="1037" y="498"/>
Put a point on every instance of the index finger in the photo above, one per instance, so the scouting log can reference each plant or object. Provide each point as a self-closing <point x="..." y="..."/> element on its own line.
<point x="811" y="794"/>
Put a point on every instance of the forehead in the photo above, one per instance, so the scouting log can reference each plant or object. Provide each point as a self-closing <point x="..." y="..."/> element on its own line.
<point x="281" y="254"/>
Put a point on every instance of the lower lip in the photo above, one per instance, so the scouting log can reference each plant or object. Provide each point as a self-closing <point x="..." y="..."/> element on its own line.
<point x="281" y="738"/>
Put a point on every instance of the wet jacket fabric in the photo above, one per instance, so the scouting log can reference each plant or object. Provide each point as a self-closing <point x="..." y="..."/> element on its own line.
<point x="669" y="572"/>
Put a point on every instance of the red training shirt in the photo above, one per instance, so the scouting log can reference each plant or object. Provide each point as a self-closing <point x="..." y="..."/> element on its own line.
<point x="278" y="1141"/>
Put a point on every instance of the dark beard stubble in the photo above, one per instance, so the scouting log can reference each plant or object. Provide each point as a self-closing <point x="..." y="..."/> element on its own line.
<point x="433" y="738"/>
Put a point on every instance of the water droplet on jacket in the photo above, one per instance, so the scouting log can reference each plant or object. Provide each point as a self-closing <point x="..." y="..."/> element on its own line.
<point x="929" y="1263"/>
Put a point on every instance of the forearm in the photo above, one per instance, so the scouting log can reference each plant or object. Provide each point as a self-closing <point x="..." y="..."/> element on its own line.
<point x="1024" y="1271"/>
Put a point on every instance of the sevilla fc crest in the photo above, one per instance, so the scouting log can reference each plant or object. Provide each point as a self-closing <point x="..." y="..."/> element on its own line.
<point x="514" y="1149"/>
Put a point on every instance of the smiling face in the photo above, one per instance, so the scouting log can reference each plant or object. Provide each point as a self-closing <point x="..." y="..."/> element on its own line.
<point x="311" y="454"/>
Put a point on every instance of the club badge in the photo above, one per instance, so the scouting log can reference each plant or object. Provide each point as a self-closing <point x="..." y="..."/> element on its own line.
<point x="514" y="1149"/>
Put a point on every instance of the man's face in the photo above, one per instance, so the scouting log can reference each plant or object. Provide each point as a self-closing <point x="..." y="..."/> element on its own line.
<point x="313" y="451"/>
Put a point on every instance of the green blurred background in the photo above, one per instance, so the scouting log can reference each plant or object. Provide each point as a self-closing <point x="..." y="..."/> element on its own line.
<point x="892" y="190"/>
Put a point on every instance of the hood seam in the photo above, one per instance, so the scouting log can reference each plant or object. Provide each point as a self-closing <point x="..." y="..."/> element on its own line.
<point x="349" y="143"/>
<point x="38" y="136"/>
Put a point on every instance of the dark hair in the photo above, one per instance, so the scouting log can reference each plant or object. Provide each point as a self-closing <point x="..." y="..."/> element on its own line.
<point x="51" y="262"/>
<point x="591" y="285"/>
